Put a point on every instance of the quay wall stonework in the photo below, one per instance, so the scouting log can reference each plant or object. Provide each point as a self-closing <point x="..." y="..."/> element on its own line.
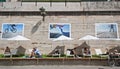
<point x="61" y="6"/>
<point x="53" y="61"/>
<point x="81" y="25"/>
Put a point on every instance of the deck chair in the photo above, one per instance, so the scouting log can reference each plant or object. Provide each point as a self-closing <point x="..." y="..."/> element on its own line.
<point x="10" y="53"/>
<point x="68" y="54"/>
<point x="13" y="52"/>
<point x="57" y="53"/>
<point x="100" y="53"/>
<point x="7" y="52"/>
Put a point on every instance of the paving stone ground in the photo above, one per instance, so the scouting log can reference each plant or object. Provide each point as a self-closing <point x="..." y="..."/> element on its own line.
<point x="57" y="67"/>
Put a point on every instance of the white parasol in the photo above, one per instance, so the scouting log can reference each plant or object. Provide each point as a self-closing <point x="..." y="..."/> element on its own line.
<point x="62" y="38"/>
<point x="89" y="37"/>
<point x="18" y="37"/>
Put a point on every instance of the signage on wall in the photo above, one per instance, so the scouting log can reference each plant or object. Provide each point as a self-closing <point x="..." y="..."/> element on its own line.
<point x="58" y="29"/>
<point x="106" y="30"/>
<point x="10" y="30"/>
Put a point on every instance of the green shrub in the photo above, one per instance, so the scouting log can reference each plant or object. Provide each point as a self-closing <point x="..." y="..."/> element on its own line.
<point x="1" y="55"/>
<point x="50" y="0"/>
<point x="100" y="56"/>
<point x="44" y="56"/>
<point x="62" y="55"/>
<point x="96" y="56"/>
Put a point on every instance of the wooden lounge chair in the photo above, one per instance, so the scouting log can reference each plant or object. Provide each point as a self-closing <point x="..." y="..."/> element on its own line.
<point x="10" y="54"/>
<point x="56" y="53"/>
<point x="14" y="52"/>
<point x="7" y="52"/>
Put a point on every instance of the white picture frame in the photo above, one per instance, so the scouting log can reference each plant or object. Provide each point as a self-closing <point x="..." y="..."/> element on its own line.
<point x="58" y="29"/>
<point x="106" y="30"/>
<point x="10" y="30"/>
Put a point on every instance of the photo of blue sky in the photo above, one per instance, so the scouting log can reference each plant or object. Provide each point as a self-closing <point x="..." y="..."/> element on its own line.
<point x="56" y="30"/>
<point x="107" y="30"/>
<point x="10" y="30"/>
<point x="105" y="27"/>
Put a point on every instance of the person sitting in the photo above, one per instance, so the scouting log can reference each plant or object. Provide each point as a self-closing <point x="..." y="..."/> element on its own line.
<point x="32" y="55"/>
<point x="35" y="53"/>
<point x="86" y="52"/>
<point x="114" y="54"/>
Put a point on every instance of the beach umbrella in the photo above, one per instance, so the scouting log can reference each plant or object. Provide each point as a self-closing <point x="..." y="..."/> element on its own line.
<point x="89" y="37"/>
<point x="62" y="38"/>
<point x="18" y="37"/>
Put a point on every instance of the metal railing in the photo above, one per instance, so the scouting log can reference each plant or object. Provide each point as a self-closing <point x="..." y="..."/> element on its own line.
<point x="62" y="0"/>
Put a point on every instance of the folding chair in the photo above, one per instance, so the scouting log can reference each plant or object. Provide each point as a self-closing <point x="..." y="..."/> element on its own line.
<point x="57" y="53"/>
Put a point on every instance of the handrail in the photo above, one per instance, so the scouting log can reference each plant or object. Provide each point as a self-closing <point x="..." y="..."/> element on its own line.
<point x="63" y="0"/>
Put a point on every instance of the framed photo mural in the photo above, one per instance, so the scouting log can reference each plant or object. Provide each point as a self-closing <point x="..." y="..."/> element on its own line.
<point x="10" y="30"/>
<point x="106" y="30"/>
<point x="58" y="29"/>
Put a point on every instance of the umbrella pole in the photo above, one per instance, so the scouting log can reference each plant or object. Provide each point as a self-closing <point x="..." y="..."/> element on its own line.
<point x="88" y="42"/>
<point x="63" y="43"/>
<point x="17" y="42"/>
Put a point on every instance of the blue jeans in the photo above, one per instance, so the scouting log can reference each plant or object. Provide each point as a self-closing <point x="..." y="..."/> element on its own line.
<point x="38" y="55"/>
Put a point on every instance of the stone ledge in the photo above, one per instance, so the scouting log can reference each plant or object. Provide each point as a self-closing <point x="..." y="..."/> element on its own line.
<point x="62" y="6"/>
<point x="54" y="61"/>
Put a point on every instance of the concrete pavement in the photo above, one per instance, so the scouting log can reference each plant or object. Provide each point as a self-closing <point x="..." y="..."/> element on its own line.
<point x="57" y="67"/>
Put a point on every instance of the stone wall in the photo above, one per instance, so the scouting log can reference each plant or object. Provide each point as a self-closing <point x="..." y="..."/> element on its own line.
<point x="80" y="26"/>
<point x="61" y="6"/>
<point x="54" y="61"/>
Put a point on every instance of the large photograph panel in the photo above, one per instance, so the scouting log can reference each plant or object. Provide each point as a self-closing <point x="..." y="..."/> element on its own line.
<point x="10" y="30"/>
<point x="107" y="30"/>
<point x="58" y="29"/>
